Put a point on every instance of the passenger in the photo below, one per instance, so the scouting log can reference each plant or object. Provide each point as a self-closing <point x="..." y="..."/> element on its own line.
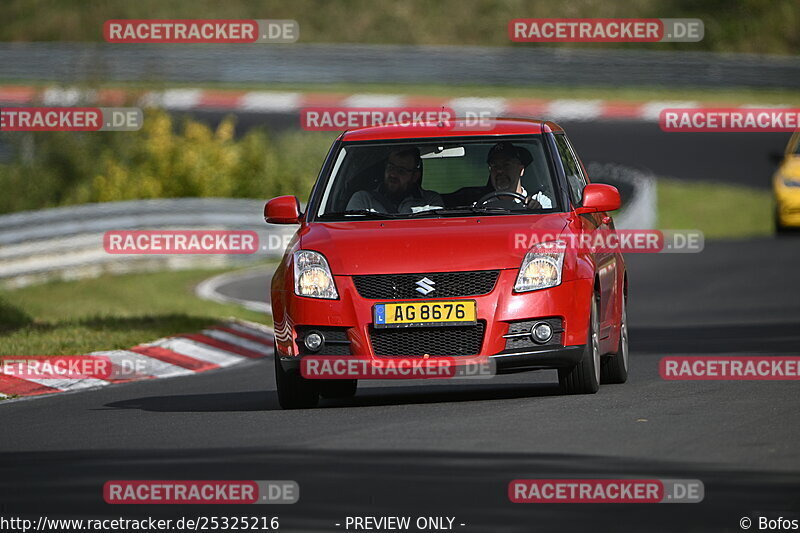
<point x="400" y="191"/>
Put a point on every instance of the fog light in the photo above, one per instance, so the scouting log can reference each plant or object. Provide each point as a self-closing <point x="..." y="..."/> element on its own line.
<point x="313" y="341"/>
<point x="541" y="332"/>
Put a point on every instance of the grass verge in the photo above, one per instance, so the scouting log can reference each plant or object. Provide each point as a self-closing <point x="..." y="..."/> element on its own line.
<point x="109" y="312"/>
<point x="721" y="211"/>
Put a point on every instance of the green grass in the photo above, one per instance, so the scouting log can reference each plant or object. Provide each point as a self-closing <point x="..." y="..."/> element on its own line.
<point x="733" y="96"/>
<point x="721" y="211"/>
<point x="764" y="26"/>
<point x="109" y="312"/>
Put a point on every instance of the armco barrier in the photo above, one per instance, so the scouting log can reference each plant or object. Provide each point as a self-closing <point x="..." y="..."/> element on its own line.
<point x="316" y="64"/>
<point x="67" y="242"/>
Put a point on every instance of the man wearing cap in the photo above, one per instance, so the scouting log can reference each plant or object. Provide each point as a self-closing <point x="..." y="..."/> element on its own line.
<point x="507" y="163"/>
<point x="400" y="190"/>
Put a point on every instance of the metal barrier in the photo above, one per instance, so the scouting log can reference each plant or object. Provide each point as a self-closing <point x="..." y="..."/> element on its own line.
<point x="317" y="64"/>
<point x="67" y="242"/>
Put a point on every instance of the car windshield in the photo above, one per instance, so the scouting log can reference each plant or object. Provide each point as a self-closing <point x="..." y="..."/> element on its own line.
<point x="439" y="178"/>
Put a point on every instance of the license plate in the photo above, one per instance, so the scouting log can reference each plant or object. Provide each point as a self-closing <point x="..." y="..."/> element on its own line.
<point x="439" y="313"/>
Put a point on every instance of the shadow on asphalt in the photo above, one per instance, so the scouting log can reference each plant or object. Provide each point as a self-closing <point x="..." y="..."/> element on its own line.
<point x="366" y="397"/>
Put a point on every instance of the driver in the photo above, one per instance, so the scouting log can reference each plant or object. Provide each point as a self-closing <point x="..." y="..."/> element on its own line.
<point x="507" y="164"/>
<point x="400" y="190"/>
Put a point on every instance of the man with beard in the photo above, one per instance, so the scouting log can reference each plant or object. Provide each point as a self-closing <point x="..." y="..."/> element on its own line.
<point x="400" y="190"/>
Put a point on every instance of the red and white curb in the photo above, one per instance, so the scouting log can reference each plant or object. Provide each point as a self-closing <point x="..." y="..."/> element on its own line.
<point x="229" y="343"/>
<point x="293" y="102"/>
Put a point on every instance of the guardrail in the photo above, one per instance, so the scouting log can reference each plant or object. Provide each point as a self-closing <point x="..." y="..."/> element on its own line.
<point x="317" y="64"/>
<point x="67" y="242"/>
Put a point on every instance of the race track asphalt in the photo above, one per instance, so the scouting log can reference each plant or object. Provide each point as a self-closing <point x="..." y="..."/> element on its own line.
<point x="450" y="448"/>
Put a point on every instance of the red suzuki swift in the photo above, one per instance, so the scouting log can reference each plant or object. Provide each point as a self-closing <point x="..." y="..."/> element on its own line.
<point x="416" y="243"/>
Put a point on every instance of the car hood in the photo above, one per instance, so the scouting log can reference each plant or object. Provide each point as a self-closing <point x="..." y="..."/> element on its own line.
<point x="427" y="245"/>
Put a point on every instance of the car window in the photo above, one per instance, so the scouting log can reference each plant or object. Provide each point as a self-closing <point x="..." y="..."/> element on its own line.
<point x="453" y="173"/>
<point x="575" y="177"/>
<point x="450" y="174"/>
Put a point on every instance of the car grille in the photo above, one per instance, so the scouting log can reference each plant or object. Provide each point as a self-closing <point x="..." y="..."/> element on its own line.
<point x="442" y="341"/>
<point x="445" y="284"/>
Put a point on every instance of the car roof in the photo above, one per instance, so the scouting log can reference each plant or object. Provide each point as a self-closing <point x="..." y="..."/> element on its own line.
<point x="459" y="128"/>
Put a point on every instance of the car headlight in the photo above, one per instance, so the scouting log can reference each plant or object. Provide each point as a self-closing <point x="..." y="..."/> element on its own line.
<point x="312" y="276"/>
<point x="541" y="267"/>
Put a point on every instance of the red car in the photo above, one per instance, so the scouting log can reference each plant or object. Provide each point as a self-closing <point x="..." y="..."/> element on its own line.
<point x="408" y="223"/>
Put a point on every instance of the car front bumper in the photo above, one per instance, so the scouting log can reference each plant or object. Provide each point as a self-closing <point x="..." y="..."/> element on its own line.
<point x="499" y="311"/>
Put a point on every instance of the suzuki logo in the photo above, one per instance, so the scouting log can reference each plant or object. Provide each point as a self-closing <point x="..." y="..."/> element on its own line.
<point x="425" y="286"/>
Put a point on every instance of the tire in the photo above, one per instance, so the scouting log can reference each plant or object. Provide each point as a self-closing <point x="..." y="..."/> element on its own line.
<point x="338" y="388"/>
<point x="584" y="378"/>
<point x="294" y="391"/>
<point x="614" y="368"/>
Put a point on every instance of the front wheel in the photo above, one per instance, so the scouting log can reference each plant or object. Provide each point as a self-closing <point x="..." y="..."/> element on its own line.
<point x="584" y="378"/>
<point x="294" y="391"/>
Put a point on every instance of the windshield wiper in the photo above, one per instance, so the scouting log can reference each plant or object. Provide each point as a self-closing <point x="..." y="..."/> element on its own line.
<point x="367" y="213"/>
<point x="465" y="210"/>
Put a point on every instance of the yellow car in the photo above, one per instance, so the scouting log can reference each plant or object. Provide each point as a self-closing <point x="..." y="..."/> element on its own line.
<point x="786" y="184"/>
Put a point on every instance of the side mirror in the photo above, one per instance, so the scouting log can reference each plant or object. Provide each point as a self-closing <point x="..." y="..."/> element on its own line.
<point x="282" y="210"/>
<point x="599" y="197"/>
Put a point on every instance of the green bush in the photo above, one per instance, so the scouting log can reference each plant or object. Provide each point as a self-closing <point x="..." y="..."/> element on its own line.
<point x="162" y="160"/>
